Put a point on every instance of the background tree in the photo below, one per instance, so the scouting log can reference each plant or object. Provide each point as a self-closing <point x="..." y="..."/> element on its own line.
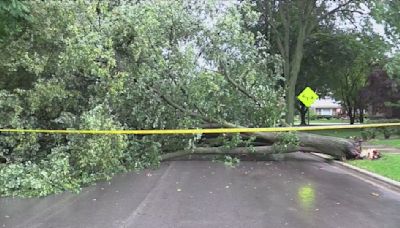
<point x="382" y="93"/>
<point x="290" y="24"/>
<point x="359" y="52"/>
<point x="317" y="66"/>
<point x="387" y="13"/>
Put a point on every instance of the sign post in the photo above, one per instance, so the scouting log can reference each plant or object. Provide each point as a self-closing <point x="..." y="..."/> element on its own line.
<point x="307" y="97"/>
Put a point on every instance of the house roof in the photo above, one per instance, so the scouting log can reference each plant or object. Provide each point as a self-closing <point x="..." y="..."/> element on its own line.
<point x="326" y="103"/>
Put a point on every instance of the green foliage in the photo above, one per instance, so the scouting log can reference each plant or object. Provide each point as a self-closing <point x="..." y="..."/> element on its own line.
<point x="386" y="131"/>
<point x="231" y="161"/>
<point x="313" y="114"/>
<point x="369" y="133"/>
<point x="30" y="179"/>
<point x="97" y="156"/>
<point x="12" y="14"/>
<point x="142" y="154"/>
<point x="228" y="161"/>
<point x="287" y="141"/>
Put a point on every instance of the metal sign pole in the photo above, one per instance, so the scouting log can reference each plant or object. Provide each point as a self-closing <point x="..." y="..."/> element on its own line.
<point x="308" y="111"/>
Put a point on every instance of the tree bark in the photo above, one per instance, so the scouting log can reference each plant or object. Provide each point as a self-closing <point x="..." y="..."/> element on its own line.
<point x="361" y="118"/>
<point x="303" y="111"/>
<point x="295" y="64"/>
<point x="351" y="114"/>
<point x="260" y="150"/>
<point x="336" y="147"/>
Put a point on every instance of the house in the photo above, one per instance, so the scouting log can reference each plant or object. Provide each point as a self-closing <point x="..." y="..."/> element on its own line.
<point x="326" y="107"/>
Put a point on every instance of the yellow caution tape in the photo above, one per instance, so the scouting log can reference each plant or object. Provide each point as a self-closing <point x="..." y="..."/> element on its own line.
<point x="198" y="131"/>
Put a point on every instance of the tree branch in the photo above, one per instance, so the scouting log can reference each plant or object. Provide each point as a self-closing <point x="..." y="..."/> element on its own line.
<point x="236" y="85"/>
<point x="338" y="8"/>
<point x="269" y="21"/>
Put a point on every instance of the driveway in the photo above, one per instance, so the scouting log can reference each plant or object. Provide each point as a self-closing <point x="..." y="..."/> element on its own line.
<point x="297" y="191"/>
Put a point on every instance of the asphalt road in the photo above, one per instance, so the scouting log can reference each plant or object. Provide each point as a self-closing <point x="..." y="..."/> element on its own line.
<point x="299" y="191"/>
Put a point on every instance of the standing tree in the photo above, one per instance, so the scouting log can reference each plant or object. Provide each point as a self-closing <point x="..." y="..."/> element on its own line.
<point x="382" y="93"/>
<point x="387" y="13"/>
<point x="358" y="52"/>
<point x="290" y="24"/>
<point x="318" y="64"/>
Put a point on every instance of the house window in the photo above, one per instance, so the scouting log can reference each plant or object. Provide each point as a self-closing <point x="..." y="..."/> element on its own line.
<point x="326" y="112"/>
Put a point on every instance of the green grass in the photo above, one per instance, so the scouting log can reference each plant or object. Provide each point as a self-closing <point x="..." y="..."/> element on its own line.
<point x="330" y="121"/>
<point x="324" y="121"/>
<point x="388" y="166"/>
<point x="387" y="142"/>
<point x="346" y="133"/>
<point x="341" y="133"/>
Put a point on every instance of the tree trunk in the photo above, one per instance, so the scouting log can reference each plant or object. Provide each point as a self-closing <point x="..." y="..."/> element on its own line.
<point x="351" y="114"/>
<point x="336" y="147"/>
<point x="260" y="150"/>
<point x="303" y="111"/>
<point x="361" y="118"/>
<point x="295" y="64"/>
<point x="290" y="99"/>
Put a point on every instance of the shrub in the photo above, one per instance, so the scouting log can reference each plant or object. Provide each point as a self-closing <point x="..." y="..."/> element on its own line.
<point x="313" y="114"/>
<point x="369" y="133"/>
<point x="387" y="131"/>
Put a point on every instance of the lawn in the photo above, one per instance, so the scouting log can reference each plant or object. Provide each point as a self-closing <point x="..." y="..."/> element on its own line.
<point x="333" y="120"/>
<point x="324" y="121"/>
<point x="387" y="142"/>
<point x="341" y="133"/>
<point x="394" y="141"/>
<point x="388" y="165"/>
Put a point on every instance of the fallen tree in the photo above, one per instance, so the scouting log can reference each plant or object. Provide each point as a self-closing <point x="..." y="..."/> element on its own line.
<point x="336" y="147"/>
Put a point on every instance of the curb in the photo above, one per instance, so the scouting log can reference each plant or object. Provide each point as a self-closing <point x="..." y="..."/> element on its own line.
<point x="389" y="182"/>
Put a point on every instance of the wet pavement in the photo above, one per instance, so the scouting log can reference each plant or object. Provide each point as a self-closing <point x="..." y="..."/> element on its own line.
<point x="298" y="191"/>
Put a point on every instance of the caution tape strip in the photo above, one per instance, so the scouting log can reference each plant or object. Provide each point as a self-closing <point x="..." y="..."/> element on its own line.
<point x="198" y="131"/>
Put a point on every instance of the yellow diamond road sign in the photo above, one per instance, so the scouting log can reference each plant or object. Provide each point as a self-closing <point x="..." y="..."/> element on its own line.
<point x="308" y="96"/>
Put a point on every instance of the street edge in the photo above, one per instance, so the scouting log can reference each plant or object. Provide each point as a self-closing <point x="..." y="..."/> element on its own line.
<point x="389" y="182"/>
